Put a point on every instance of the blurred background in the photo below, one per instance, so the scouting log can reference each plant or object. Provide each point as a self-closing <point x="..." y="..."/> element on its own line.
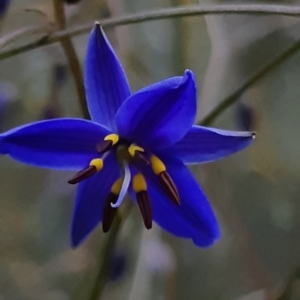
<point x="256" y="193"/>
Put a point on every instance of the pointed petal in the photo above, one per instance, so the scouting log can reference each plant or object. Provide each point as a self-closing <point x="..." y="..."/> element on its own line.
<point x="194" y="217"/>
<point x="67" y="144"/>
<point x="204" y="144"/>
<point x="105" y="80"/>
<point x="161" y="114"/>
<point x="90" y="198"/>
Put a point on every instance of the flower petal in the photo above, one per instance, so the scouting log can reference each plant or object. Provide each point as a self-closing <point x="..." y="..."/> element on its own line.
<point x="204" y="144"/>
<point x="67" y="144"/>
<point x="194" y="217"/>
<point x="105" y="80"/>
<point x="161" y="114"/>
<point x="90" y="198"/>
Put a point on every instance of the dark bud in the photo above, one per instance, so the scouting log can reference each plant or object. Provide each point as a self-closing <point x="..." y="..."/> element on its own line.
<point x="3" y="6"/>
<point x="244" y="117"/>
<point x="60" y="73"/>
<point x="170" y="187"/>
<point x="81" y="175"/>
<point x="72" y="1"/>
<point x="109" y="212"/>
<point x="118" y="266"/>
<point x="144" y="203"/>
<point x="49" y="112"/>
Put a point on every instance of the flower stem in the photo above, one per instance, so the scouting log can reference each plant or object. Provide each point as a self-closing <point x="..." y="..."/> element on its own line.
<point x="288" y="289"/>
<point x="105" y="259"/>
<point x="235" y="96"/>
<point x="167" y="13"/>
<point x="108" y="248"/>
<point x="20" y="33"/>
<point x="72" y="58"/>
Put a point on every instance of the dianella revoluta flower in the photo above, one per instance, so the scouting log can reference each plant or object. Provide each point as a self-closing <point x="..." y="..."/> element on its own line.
<point x="137" y="143"/>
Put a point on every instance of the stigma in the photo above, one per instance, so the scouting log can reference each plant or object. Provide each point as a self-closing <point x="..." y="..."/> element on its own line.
<point x="124" y="187"/>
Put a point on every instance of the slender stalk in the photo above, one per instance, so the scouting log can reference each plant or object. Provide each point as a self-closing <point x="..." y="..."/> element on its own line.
<point x="59" y="13"/>
<point x="72" y="58"/>
<point x="105" y="257"/>
<point x="105" y="260"/>
<point x="20" y="33"/>
<point x="288" y="289"/>
<point x="174" y="12"/>
<point x="234" y="97"/>
<point x="179" y="46"/>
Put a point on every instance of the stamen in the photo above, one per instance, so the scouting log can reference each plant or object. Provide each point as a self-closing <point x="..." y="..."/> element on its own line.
<point x="125" y="185"/>
<point x="117" y="186"/>
<point x="114" y="138"/>
<point x="103" y="146"/>
<point x="133" y="148"/>
<point x="160" y="169"/>
<point x="137" y="153"/>
<point x="170" y="187"/>
<point x="139" y="185"/>
<point x="97" y="163"/>
<point x="81" y="175"/>
<point x="157" y="165"/>
<point x="144" y="203"/>
<point x="140" y="158"/>
<point x="108" y="211"/>
<point x="95" y="166"/>
<point x="109" y="141"/>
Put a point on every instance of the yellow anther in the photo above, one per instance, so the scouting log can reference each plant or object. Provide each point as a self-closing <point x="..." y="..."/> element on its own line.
<point x="114" y="138"/>
<point x="139" y="183"/>
<point x="97" y="163"/>
<point x="132" y="148"/>
<point x="157" y="165"/>
<point x="116" y="187"/>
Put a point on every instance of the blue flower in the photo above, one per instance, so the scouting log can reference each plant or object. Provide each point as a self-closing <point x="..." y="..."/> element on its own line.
<point x="137" y="143"/>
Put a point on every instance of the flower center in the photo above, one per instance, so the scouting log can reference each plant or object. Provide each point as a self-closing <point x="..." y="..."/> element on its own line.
<point x="132" y="159"/>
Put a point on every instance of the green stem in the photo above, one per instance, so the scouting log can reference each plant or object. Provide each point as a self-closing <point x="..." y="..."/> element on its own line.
<point x="235" y="96"/>
<point x="105" y="259"/>
<point x="20" y="33"/>
<point x="288" y="290"/>
<point x="175" y="12"/>
<point x="71" y="55"/>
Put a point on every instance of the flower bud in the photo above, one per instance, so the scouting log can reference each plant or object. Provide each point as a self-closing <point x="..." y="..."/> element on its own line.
<point x="71" y="1"/>
<point x="3" y="6"/>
